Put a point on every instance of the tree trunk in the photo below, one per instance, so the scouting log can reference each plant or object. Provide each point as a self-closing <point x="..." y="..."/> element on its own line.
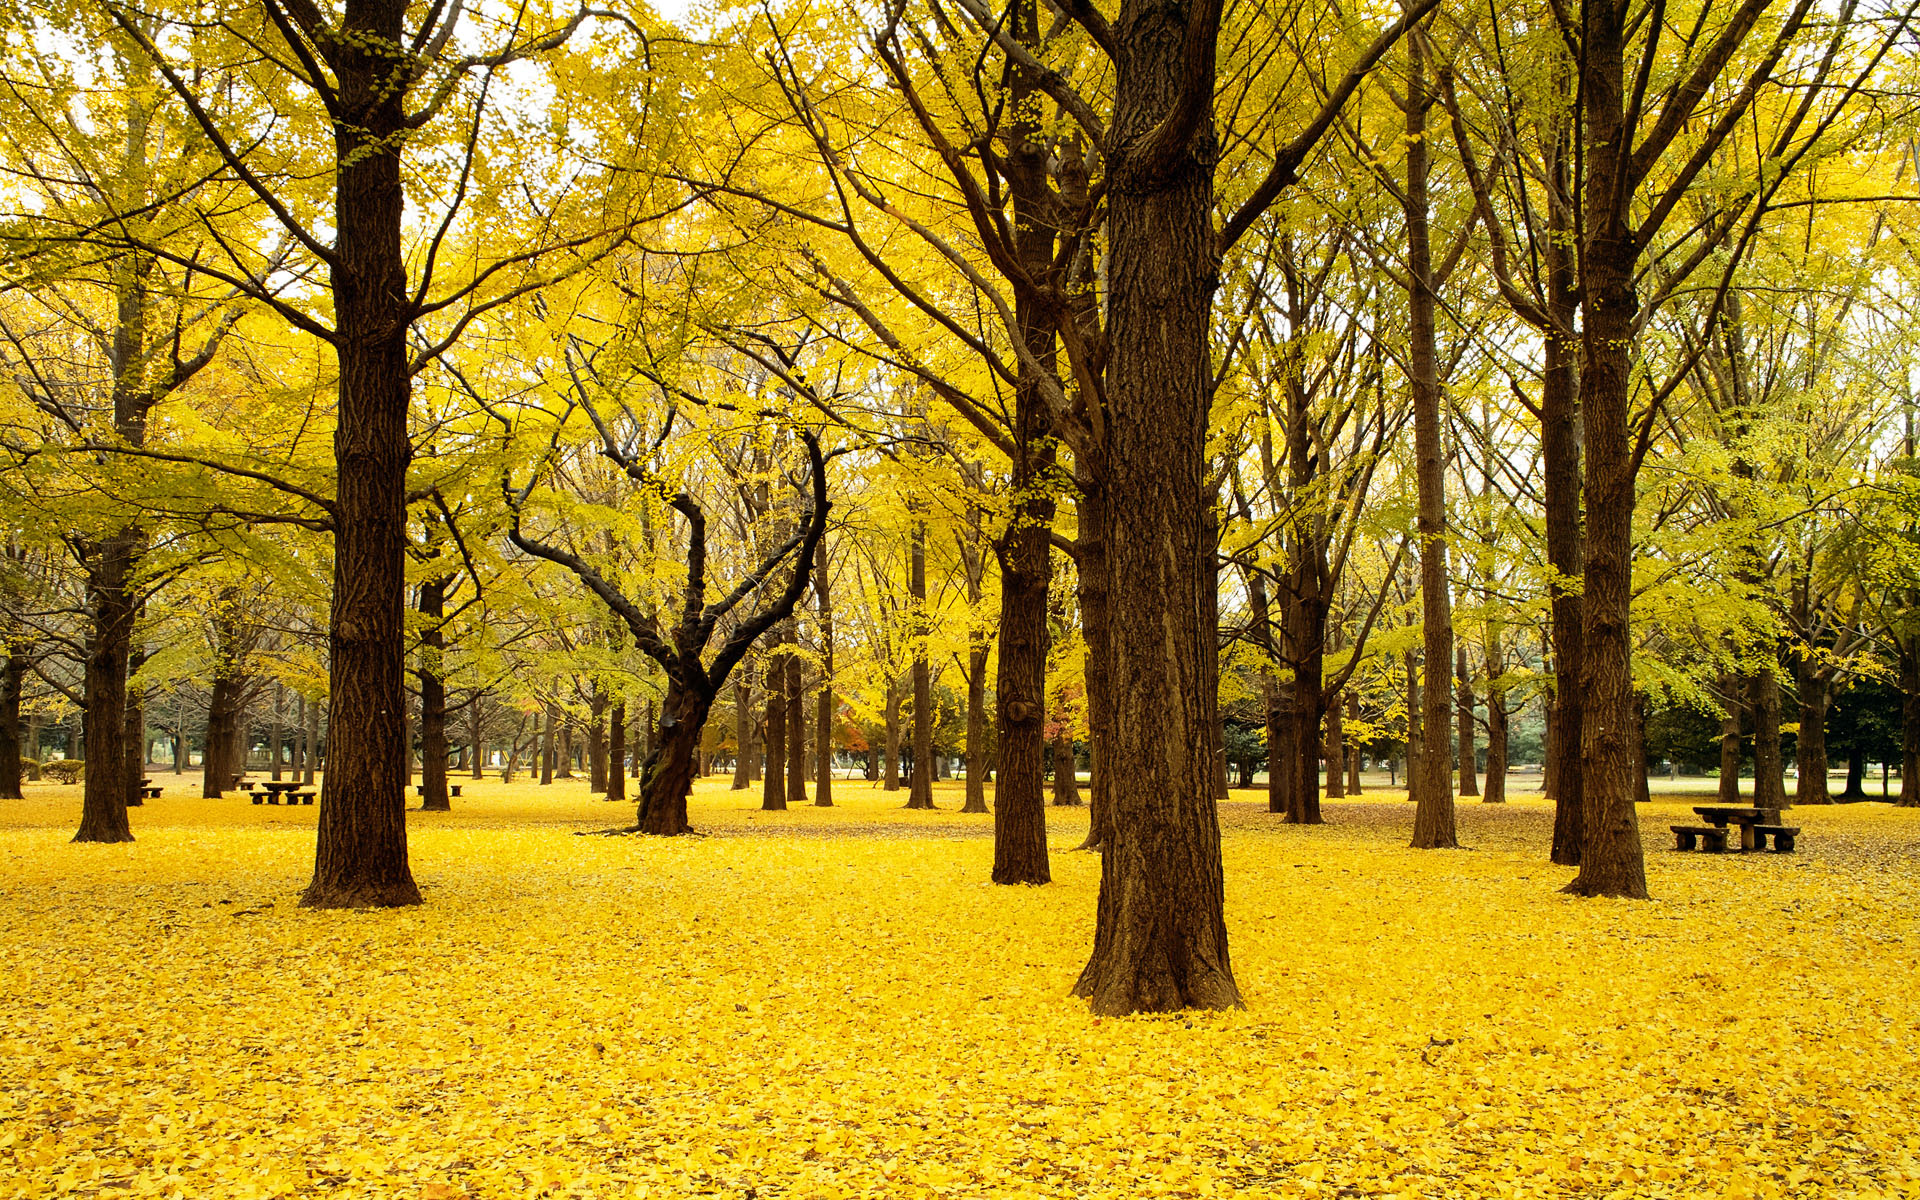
<point x="1019" y="794"/>
<point x="978" y="651"/>
<point x="1909" y="726"/>
<point x="1463" y="713"/>
<point x="217" y="767"/>
<point x="617" y="753"/>
<point x="360" y="857"/>
<point x="1416" y="735"/>
<point x="1066" y="783"/>
<point x="920" y="783"/>
<point x="743" y="724"/>
<point x="547" y="744"/>
<point x="476" y="738"/>
<point x="826" y="705"/>
<point x="1353" y="756"/>
<point x="1810" y="744"/>
<point x="597" y="743"/>
<point x="433" y="699"/>
<point x="313" y="743"/>
<point x="1856" y="788"/>
<point x="1612" y="862"/>
<point x="1336" y="750"/>
<point x="1497" y="727"/>
<point x="1091" y="545"/>
<point x="773" y="786"/>
<point x="1433" y="820"/>
<point x="796" y="722"/>
<point x="1561" y="490"/>
<point x="667" y="778"/>
<point x="103" y="815"/>
<point x="13" y="675"/>
<point x="1729" y="783"/>
<point x="890" y="775"/>
<point x="563" y="763"/>
<point x="273" y="739"/>
<point x="1160" y="936"/>
<point x="1769" y="782"/>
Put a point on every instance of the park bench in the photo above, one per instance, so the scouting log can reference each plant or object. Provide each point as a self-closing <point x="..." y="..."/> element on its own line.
<point x="1713" y="838"/>
<point x="1782" y="836"/>
<point x="453" y="790"/>
<point x="302" y="797"/>
<point x="149" y="791"/>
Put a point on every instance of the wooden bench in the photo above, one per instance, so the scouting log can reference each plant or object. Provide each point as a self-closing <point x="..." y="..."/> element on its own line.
<point x="299" y="798"/>
<point x="1782" y="836"/>
<point x="453" y="790"/>
<point x="150" y="792"/>
<point x="1713" y="838"/>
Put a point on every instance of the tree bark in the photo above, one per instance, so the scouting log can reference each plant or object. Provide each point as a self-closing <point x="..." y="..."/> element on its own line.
<point x="1091" y="548"/>
<point x="797" y="721"/>
<point x="103" y="814"/>
<point x="826" y="705"/>
<point x="313" y="743"/>
<point x="1909" y="725"/>
<point x="773" y="785"/>
<point x="1463" y="714"/>
<point x="1769" y="782"/>
<point x="1160" y="937"/>
<point x="1728" y="789"/>
<point x="977" y="654"/>
<point x="743" y="725"/>
<point x="434" y="796"/>
<point x="1810" y="744"/>
<point x="1433" y="819"/>
<point x="1612" y="862"/>
<point x="360" y="856"/>
<point x="13" y="675"/>
<point x="1066" y="781"/>
<point x="920" y="783"/>
<point x="890" y="774"/>
<point x="617" y="753"/>
<point x="597" y="743"/>
<point x="1336" y="751"/>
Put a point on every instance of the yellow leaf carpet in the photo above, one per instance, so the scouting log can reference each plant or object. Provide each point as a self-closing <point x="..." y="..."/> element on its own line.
<point x="825" y="1003"/>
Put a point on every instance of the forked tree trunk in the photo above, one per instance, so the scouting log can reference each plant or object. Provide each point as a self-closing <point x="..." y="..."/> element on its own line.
<point x="1160" y="936"/>
<point x="668" y="776"/>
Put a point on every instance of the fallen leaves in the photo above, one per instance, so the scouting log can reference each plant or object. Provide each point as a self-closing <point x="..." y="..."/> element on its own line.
<point x="830" y="1002"/>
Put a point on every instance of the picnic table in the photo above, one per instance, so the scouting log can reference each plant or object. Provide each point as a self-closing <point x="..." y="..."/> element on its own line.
<point x="273" y="791"/>
<point x="1757" y="825"/>
<point x="149" y="790"/>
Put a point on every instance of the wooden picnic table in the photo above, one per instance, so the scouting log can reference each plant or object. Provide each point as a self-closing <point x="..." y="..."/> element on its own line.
<point x="1756" y="826"/>
<point x="273" y="791"/>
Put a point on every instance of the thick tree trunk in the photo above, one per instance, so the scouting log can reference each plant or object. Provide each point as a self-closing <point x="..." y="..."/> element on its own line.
<point x="563" y="762"/>
<point x="103" y="815"/>
<point x="920" y="783"/>
<point x="667" y="779"/>
<point x="217" y="767"/>
<point x="433" y="700"/>
<point x="1810" y="744"/>
<point x="1856" y="787"/>
<point x="1160" y="937"/>
<point x="1433" y="819"/>
<point x="1463" y="719"/>
<point x="1612" y="861"/>
<point x="360" y="857"/>
<point x="1019" y="794"/>
<point x="1561" y="491"/>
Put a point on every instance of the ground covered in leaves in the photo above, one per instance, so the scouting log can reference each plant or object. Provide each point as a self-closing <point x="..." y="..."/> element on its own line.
<point x="835" y="1003"/>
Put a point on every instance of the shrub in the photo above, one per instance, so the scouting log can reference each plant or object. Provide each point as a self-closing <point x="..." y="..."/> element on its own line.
<point x="65" y="770"/>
